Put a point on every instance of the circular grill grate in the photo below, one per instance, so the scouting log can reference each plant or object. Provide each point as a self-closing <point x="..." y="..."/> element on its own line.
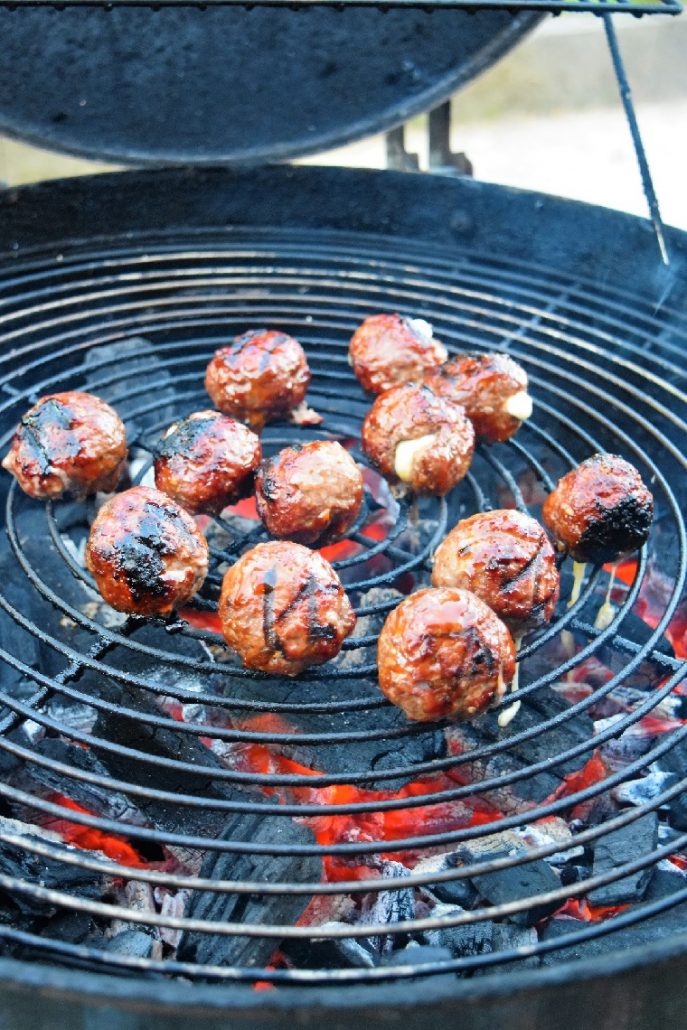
<point x="603" y="371"/>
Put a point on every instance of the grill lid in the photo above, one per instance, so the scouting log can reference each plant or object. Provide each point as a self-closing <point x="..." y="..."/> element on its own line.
<point x="233" y="85"/>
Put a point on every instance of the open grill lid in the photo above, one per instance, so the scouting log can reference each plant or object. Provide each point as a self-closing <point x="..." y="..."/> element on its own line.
<point x="233" y="85"/>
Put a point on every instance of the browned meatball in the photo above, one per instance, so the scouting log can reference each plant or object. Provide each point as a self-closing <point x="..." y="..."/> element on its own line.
<point x="414" y="436"/>
<point x="311" y="494"/>
<point x="283" y="608"/>
<point x="491" y="387"/>
<point x="600" y="510"/>
<point x="146" y="554"/>
<point x="68" y="442"/>
<point x="206" y="462"/>
<point x="506" y="559"/>
<point x="443" y="653"/>
<point x="261" y="376"/>
<point x="387" y="350"/>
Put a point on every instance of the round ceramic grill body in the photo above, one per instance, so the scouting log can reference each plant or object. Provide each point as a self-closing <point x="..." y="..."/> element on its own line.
<point x="596" y="387"/>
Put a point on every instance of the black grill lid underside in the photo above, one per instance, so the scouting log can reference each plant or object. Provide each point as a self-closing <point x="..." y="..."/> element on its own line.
<point x="233" y="85"/>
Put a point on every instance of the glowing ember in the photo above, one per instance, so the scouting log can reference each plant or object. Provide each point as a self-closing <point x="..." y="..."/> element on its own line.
<point x="91" y="839"/>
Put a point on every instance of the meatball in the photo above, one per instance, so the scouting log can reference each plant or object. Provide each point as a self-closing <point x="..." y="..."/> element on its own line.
<point x="311" y="494"/>
<point x="387" y="350"/>
<point x="491" y="387"/>
<point x="68" y="442"/>
<point x="263" y="375"/>
<point x="206" y="462"/>
<point x="415" y="436"/>
<point x="443" y="653"/>
<point x="282" y="608"/>
<point x="600" y="510"/>
<point x="506" y="559"/>
<point x="146" y="554"/>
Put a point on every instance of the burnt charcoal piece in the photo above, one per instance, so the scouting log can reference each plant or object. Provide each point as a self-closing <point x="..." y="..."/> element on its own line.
<point x="519" y="882"/>
<point x="455" y="892"/>
<point x="133" y="943"/>
<point x="250" y="909"/>
<point x="392" y="906"/>
<point x="318" y="953"/>
<point x="678" y="812"/>
<point x="543" y="705"/>
<point x="616" y="849"/>
<point x="16" y="862"/>
<point x="422" y="955"/>
<point x="136" y="365"/>
<point x="666" y="924"/>
<point x="449" y="892"/>
<point x="485" y="938"/>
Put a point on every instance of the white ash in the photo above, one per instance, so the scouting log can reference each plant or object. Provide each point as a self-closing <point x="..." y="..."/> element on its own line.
<point x="174" y="905"/>
<point x="645" y="789"/>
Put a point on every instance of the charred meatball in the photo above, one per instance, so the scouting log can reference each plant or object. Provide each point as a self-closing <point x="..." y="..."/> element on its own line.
<point x="68" y="443"/>
<point x="146" y="554"/>
<point x="414" y="436"/>
<point x="387" y="350"/>
<point x="283" y="608"/>
<point x="206" y="462"/>
<point x="506" y="559"/>
<point x="311" y="494"/>
<point x="491" y="387"/>
<point x="263" y="375"/>
<point x="444" y="654"/>
<point x="600" y="510"/>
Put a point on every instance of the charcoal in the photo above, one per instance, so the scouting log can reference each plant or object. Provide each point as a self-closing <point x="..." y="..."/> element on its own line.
<point x="616" y="849"/>
<point x="666" y="924"/>
<point x="519" y="882"/>
<point x="132" y="943"/>
<point x="422" y="955"/>
<point x="72" y="927"/>
<point x="16" y="862"/>
<point x="132" y="360"/>
<point x="486" y="938"/>
<point x="318" y="953"/>
<point x="534" y="787"/>
<point x="105" y="801"/>
<point x="250" y="909"/>
<point x="675" y="760"/>
<point x="450" y="892"/>
<point x="678" y="812"/>
<point x="392" y="906"/>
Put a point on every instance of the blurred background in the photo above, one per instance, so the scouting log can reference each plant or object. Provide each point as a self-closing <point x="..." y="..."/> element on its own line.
<point x="547" y="117"/>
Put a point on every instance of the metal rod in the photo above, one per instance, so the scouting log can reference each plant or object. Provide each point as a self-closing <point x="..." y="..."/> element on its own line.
<point x="626" y="97"/>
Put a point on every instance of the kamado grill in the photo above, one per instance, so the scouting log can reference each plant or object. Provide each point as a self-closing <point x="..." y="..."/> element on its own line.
<point x="181" y="839"/>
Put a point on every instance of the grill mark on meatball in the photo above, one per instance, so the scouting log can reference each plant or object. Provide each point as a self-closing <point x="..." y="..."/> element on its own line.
<point x="268" y="348"/>
<point x="524" y="570"/>
<point x="51" y="415"/>
<point x="266" y="479"/>
<point x="183" y="437"/>
<point x="269" y="583"/>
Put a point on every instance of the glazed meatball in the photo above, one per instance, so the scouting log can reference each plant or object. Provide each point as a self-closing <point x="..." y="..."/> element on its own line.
<point x="263" y="375"/>
<point x="491" y="387"/>
<point x="68" y="443"/>
<point x="282" y="608"/>
<point x="414" y="436"/>
<point x="311" y="494"/>
<point x="206" y="462"/>
<point x="444" y="654"/>
<point x="600" y="510"/>
<point x="506" y="559"/>
<point x="146" y="554"/>
<point x="387" y="350"/>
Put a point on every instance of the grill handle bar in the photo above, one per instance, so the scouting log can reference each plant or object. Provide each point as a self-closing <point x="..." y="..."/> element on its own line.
<point x="640" y="153"/>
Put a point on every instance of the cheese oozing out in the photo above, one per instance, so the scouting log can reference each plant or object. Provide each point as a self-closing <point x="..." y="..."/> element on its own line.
<point x="406" y="453"/>
<point x="421" y="328"/>
<point x="519" y="405"/>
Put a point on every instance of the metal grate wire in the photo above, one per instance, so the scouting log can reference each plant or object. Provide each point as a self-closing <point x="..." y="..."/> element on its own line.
<point x="602" y="369"/>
